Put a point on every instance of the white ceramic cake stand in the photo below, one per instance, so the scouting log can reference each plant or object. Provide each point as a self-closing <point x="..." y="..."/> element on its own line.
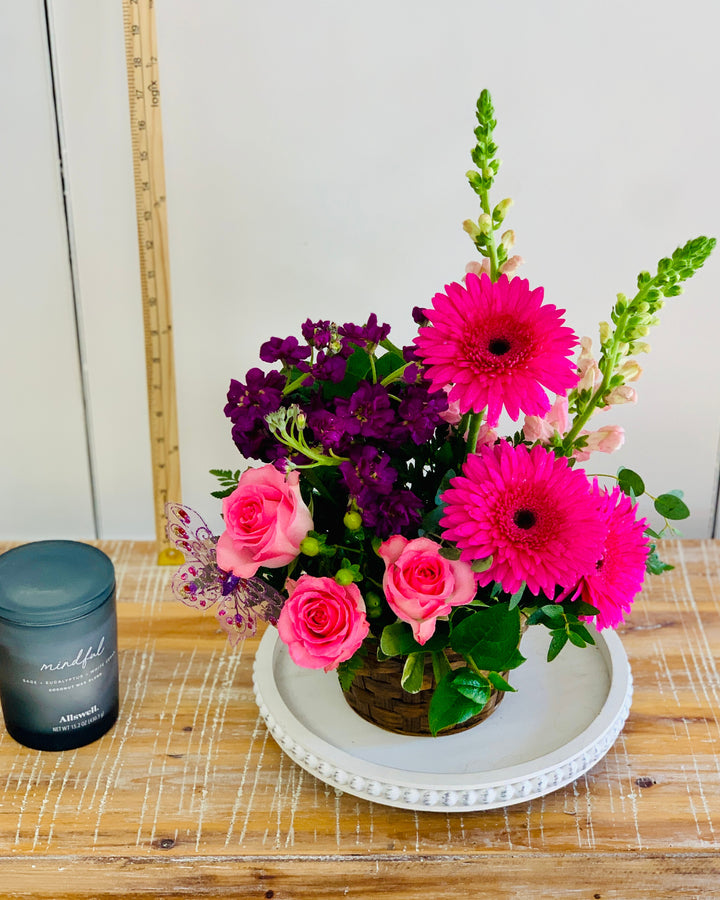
<point x="561" y="722"/>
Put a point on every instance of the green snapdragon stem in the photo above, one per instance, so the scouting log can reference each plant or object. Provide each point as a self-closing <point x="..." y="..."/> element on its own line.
<point x="490" y="236"/>
<point x="611" y="359"/>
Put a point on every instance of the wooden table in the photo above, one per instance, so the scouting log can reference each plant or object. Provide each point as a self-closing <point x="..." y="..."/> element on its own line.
<point x="188" y="796"/>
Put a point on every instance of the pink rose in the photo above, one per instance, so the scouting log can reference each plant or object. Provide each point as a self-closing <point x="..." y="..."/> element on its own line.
<point x="421" y="585"/>
<point x="265" y="522"/>
<point x="322" y="622"/>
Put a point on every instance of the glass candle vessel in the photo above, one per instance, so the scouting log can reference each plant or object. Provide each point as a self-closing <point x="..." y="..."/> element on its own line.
<point x="58" y="644"/>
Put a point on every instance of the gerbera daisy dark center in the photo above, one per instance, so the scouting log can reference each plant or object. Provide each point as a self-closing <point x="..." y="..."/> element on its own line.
<point x="499" y="346"/>
<point x="524" y="518"/>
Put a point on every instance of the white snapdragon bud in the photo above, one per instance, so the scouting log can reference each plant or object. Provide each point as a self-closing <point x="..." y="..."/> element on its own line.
<point x="508" y="239"/>
<point x="605" y="332"/>
<point x="630" y="370"/>
<point x="485" y="223"/>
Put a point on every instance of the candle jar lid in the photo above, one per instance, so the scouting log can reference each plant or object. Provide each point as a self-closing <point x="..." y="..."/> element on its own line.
<point x="53" y="582"/>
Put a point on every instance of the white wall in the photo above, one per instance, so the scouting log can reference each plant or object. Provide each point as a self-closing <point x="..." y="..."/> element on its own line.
<point x="315" y="167"/>
<point x="315" y="159"/>
<point x="44" y="472"/>
<point x="88" y="45"/>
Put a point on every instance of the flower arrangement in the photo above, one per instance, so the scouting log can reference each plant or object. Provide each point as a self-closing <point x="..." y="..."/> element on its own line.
<point x="388" y="519"/>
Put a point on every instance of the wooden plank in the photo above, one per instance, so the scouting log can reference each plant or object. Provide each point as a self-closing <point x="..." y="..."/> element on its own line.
<point x="494" y="877"/>
<point x="189" y="774"/>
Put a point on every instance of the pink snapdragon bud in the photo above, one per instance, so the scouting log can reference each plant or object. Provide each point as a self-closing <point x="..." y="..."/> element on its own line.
<point x="589" y="373"/>
<point x="607" y="439"/>
<point x="511" y="266"/>
<point x="541" y="429"/>
<point x="621" y="394"/>
<point x="486" y="435"/>
<point x="478" y="268"/>
<point x="452" y="414"/>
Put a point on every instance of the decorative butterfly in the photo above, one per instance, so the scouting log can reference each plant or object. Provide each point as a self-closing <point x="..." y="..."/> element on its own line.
<point x="201" y="583"/>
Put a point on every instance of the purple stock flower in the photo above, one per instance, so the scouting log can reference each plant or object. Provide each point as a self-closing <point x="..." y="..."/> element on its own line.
<point x="371" y="333"/>
<point x="420" y="409"/>
<point x="261" y="394"/>
<point x="330" y="367"/>
<point x="367" y="411"/>
<point x="368" y="472"/>
<point x="318" y="334"/>
<point x="399" y="512"/>
<point x="410" y="354"/>
<point x="288" y="351"/>
<point x="328" y="429"/>
<point x="419" y="317"/>
<point x="247" y="406"/>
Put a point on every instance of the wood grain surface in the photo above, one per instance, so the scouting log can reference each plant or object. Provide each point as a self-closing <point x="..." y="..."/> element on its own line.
<point x="188" y="795"/>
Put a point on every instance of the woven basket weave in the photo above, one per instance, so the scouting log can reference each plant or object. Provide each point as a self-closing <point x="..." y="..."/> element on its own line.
<point x="377" y="695"/>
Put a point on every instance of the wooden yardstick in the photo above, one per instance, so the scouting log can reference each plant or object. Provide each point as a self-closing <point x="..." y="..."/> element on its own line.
<point x="147" y="148"/>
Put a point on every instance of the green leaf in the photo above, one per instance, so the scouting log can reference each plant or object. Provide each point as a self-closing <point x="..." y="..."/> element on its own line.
<point x="358" y="368"/>
<point x="471" y="685"/>
<point x="397" y="639"/>
<point x="630" y="482"/>
<point x="654" y="565"/>
<point x="228" y="482"/>
<point x="413" y="672"/>
<point x="671" y="507"/>
<point x="517" y="596"/>
<point x="444" y="485"/>
<point x="581" y="608"/>
<point x="451" y="553"/>
<point x="517" y="659"/>
<point x="489" y="637"/>
<point x="579" y="629"/>
<point x="449" y="707"/>
<point x="559" y="639"/>
<point x="575" y="639"/>
<point x="536" y="617"/>
<point x="431" y="520"/>
<point x="388" y="363"/>
<point x="481" y="565"/>
<point x="440" y="664"/>
<point x="221" y="494"/>
<point x="553" y="610"/>
<point x="348" y="670"/>
<point x="498" y="682"/>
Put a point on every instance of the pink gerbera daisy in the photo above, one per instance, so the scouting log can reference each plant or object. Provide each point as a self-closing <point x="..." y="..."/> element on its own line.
<point x="616" y="578"/>
<point x="530" y="512"/>
<point x="498" y="345"/>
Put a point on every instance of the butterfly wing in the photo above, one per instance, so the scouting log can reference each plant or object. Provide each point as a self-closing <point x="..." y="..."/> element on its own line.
<point x="200" y="583"/>
<point x="265" y="602"/>
<point x="197" y="582"/>
<point x="236" y="620"/>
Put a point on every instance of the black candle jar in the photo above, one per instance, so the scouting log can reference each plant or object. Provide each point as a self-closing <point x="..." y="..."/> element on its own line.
<point x="58" y="644"/>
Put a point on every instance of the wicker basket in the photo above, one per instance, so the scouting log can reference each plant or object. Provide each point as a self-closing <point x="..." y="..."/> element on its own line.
<point x="377" y="695"/>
